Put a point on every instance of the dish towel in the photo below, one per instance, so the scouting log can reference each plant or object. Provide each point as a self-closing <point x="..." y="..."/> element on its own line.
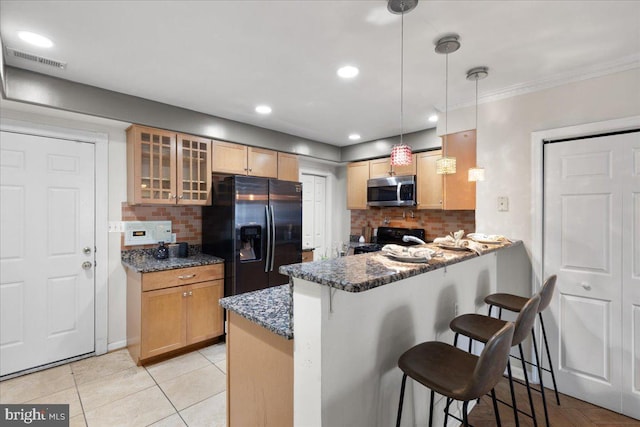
<point x="489" y="237"/>
<point x="474" y="246"/>
<point x="408" y="252"/>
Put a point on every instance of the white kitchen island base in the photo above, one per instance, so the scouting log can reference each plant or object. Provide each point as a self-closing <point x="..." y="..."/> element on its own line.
<point x="347" y="346"/>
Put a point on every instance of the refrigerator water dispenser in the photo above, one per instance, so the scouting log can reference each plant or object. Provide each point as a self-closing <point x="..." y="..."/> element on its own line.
<point x="250" y="242"/>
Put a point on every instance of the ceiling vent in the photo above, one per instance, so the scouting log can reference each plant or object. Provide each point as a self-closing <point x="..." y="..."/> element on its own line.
<point x="35" y="58"/>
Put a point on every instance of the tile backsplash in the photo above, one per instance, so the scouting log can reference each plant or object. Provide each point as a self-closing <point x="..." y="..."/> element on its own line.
<point x="186" y="221"/>
<point x="435" y="223"/>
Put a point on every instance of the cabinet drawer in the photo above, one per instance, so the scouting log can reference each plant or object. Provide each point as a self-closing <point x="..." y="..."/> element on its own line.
<point x="181" y="276"/>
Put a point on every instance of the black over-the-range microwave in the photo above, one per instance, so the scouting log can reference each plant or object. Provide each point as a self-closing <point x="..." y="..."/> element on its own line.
<point x="392" y="191"/>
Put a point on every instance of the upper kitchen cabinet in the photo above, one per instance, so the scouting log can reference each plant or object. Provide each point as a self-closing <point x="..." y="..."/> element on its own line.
<point x="357" y="176"/>
<point x="448" y="192"/>
<point x="165" y="168"/>
<point x="242" y="160"/>
<point x="288" y="169"/>
<point x="382" y="168"/>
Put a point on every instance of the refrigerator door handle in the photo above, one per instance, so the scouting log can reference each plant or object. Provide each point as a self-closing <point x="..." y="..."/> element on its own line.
<point x="273" y="237"/>
<point x="268" y="230"/>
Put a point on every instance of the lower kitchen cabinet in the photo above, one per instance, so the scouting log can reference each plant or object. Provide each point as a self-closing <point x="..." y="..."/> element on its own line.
<point x="172" y="309"/>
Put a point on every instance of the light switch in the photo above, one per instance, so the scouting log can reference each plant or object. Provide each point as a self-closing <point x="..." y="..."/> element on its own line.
<point x="503" y="204"/>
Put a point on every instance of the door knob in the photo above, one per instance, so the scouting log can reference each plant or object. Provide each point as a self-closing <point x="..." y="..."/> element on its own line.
<point x="586" y="286"/>
<point x="86" y="265"/>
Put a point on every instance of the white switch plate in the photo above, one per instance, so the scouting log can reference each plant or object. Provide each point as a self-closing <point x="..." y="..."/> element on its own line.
<point x="116" y="226"/>
<point x="503" y="204"/>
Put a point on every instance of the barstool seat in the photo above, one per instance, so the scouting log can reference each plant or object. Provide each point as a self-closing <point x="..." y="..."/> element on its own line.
<point x="507" y="301"/>
<point x="454" y="373"/>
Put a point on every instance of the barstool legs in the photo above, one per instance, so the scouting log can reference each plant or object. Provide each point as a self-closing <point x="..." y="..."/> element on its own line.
<point x="513" y="395"/>
<point x="544" y="399"/>
<point x="546" y="346"/>
<point x="495" y="407"/>
<point x="526" y="380"/>
<point x="404" y="383"/>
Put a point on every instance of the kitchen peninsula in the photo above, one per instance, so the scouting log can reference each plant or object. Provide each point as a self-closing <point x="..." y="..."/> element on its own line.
<point x="352" y="318"/>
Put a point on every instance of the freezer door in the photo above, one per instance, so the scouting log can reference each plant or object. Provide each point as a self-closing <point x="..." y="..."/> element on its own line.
<point x="285" y="204"/>
<point x="250" y="222"/>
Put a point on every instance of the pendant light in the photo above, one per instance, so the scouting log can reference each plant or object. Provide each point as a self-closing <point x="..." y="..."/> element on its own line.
<point x="476" y="173"/>
<point x="446" y="45"/>
<point x="401" y="154"/>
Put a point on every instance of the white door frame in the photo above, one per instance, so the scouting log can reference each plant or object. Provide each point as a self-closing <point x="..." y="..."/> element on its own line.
<point x="328" y="220"/>
<point x="537" y="179"/>
<point x="100" y="141"/>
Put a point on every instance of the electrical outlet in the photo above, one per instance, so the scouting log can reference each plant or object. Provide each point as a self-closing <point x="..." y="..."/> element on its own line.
<point x="503" y="204"/>
<point x="116" y="227"/>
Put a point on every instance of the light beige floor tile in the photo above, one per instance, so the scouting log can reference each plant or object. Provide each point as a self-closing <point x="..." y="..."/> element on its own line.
<point x="215" y="353"/>
<point x="172" y="421"/>
<point x="68" y="396"/>
<point x="211" y="412"/>
<point x="222" y="365"/>
<point x="139" y="409"/>
<point x="113" y="387"/>
<point x="177" y="366"/>
<point x="32" y="386"/>
<point x="77" y="421"/>
<point x="194" y="386"/>
<point x="100" y="366"/>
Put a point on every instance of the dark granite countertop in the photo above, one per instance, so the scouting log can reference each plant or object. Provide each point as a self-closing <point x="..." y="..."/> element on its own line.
<point x="143" y="261"/>
<point x="269" y="308"/>
<point x="359" y="273"/>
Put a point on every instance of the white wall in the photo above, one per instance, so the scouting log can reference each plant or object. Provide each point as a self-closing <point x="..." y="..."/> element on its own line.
<point x="117" y="303"/>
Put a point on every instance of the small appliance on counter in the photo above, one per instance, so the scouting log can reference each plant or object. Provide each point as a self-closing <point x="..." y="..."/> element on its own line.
<point x="162" y="252"/>
<point x="391" y="235"/>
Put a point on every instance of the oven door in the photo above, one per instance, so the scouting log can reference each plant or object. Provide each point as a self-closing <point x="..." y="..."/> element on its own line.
<point x="392" y="191"/>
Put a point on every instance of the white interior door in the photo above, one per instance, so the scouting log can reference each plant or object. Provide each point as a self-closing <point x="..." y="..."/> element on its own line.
<point x="314" y="213"/>
<point x="47" y="233"/>
<point x="587" y="183"/>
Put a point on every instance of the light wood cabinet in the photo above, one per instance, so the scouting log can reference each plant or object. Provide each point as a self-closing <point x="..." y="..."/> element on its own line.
<point x="357" y="176"/>
<point x="171" y="309"/>
<point x="448" y="192"/>
<point x="288" y="168"/>
<point x="382" y="168"/>
<point x="237" y="159"/>
<point x="307" y="256"/>
<point x="165" y="168"/>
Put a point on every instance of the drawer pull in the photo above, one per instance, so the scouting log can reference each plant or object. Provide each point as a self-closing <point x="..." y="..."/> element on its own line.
<point x="186" y="276"/>
<point x="184" y="294"/>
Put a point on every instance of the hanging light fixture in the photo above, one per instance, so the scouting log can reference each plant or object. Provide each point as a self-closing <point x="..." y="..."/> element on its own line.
<point x="476" y="173"/>
<point x="401" y="154"/>
<point x="446" y="45"/>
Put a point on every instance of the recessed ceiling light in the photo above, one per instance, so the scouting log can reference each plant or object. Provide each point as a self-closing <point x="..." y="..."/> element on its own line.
<point x="263" y="109"/>
<point x="35" y="39"/>
<point x="348" y="72"/>
<point x="433" y="118"/>
<point x="354" y="136"/>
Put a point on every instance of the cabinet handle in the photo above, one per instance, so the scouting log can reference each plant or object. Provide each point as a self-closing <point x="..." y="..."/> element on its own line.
<point x="250" y="170"/>
<point x="184" y="294"/>
<point x="186" y="276"/>
<point x="181" y="197"/>
<point x="190" y="293"/>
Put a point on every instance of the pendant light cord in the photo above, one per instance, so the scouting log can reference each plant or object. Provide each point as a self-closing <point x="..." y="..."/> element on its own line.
<point x="476" y="106"/>
<point x="446" y="103"/>
<point x="402" y="73"/>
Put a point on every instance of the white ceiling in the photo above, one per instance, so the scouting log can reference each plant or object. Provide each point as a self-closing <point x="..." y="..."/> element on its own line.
<point x="225" y="57"/>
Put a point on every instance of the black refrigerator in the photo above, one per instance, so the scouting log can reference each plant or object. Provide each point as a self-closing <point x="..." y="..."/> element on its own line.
<point x="255" y="225"/>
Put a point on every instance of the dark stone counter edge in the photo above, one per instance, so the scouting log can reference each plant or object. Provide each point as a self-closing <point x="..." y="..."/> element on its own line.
<point x="173" y="264"/>
<point x="283" y="332"/>
<point x="387" y="279"/>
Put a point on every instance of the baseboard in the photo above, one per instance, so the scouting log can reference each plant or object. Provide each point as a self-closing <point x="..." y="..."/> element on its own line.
<point x="116" y="345"/>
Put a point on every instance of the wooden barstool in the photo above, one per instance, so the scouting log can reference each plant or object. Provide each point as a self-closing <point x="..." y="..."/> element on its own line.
<point x="481" y="328"/>
<point x="515" y="303"/>
<point x="455" y="373"/>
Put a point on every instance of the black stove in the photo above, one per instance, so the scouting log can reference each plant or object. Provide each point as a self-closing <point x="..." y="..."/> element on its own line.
<point x="390" y="235"/>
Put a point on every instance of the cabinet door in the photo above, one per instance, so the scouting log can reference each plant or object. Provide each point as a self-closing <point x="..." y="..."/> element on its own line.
<point x="429" y="184"/>
<point x="204" y="318"/>
<point x="288" y="167"/>
<point x="194" y="170"/>
<point x="459" y="193"/>
<point x="357" y="176"/>
<point x="380" y="168"/>
<point x="229" y="158"/>
<point x="151" y="166"/>
<point x="163" y="318"/>
<point x="405" y="169"/>
<point x="262" y="162"/>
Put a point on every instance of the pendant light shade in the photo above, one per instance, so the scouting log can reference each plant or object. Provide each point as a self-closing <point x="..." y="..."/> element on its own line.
<point x="476" y="173"/>
<point x="401" y="155"/>
<point x="448" y="44"/>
